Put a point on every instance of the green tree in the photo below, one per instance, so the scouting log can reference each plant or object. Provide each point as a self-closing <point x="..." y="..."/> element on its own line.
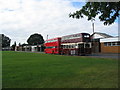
<point x="108" y="11"/>
<point x="19" y="44"/>
<point x="13" y="46"/>
<point x="35" y="39"/>
<point x="5" y="41"/>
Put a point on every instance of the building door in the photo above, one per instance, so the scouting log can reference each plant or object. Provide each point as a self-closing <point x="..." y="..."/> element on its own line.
<point x="81" y="49"/>
<point x="96" y="46"/>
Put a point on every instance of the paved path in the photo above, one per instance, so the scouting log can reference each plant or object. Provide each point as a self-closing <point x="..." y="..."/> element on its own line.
<point x="106" y="55"/>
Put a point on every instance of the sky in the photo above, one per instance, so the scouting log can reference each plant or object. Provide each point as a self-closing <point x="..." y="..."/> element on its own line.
<point x="21" y="18"/>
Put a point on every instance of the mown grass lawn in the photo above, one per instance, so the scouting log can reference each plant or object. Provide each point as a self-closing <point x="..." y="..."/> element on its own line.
<point x="35" y="70"/>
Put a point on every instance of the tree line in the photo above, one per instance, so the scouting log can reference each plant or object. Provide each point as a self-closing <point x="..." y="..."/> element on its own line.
<point x="34" y="39"/>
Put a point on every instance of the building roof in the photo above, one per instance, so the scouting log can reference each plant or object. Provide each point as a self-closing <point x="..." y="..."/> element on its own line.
<point x="101" y="35"/>
<point x="113" y="39"/>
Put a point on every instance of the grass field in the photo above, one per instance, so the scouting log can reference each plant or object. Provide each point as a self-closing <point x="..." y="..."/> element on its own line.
<point x="35" y="70"/>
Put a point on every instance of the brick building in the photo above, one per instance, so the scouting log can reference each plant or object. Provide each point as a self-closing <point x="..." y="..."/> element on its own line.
<point x="110" y="45"/>
<point x="104" y="43"/>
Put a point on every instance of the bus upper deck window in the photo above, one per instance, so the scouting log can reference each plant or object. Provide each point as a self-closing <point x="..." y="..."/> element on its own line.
<point x="86" y="36"/>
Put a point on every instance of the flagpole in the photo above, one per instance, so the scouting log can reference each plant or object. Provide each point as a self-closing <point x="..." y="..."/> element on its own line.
<point x="47" y="37"/>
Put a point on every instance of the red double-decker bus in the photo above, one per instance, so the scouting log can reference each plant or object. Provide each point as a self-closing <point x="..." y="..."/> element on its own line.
<point x="52" y="46"/>
<point x="75" y="44"/>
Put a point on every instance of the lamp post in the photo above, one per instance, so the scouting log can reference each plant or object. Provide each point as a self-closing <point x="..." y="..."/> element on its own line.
<point x="47" y="37"/>
<point x="93" y="42"/>
<point x="93" y="25"/>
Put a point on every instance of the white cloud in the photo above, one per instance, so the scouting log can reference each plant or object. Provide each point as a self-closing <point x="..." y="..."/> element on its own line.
<point x="9" y="4"/>
<point x="21" y="18"/>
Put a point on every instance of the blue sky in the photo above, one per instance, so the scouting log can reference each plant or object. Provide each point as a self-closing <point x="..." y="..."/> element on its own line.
<point x="78" y="4"/>
<point x="21" y="18"/>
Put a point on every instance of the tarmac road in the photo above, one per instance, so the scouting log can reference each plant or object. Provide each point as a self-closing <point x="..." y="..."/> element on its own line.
<point x="106" y="55"/>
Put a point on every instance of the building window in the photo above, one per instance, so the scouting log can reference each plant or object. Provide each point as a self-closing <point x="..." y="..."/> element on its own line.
<point x="112" y="44"/>
<point x="118" y="43"/>
<point x="105" y="44"/>
<point x="109" y="44"/>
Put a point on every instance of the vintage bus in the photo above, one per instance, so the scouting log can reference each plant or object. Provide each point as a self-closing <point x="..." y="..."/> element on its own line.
<point x="76" y="44"/>
<point x="52" y="46"/>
